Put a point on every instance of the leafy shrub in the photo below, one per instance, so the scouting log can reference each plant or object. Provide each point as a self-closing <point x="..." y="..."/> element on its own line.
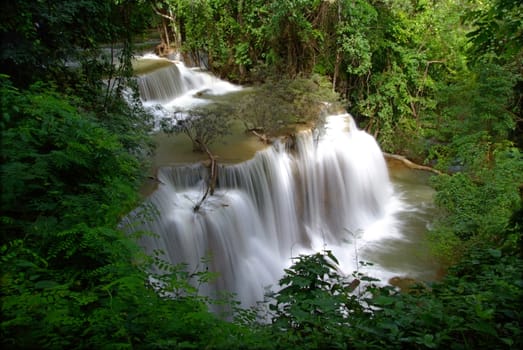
<point x="477" y="306"/>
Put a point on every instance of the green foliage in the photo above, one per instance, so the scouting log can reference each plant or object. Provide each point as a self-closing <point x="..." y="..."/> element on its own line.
<point x="477" y="306"/>
<point x="478" y="210"/>
<point x="498" y="28"/>
<point x="43" y="40"/>
<point x="389" y="108"/>
<point x="224" y="35"/>
<point x="315" y="304"/>
<point x="474" y="117"/>
<point x="50" y="299"/>
<point x="496" y="39"/>
<point x="291" y="34"/>
<point x="66" y="181"/>
<point x="353" y="33"/>
<point x="203" y="125"/>
<point x="280" y="103"/>
<point x="56" y="160"/>
<point x="384" y="58"/>
<point x="108" y="306"/>
<point x="84" y="50"/>
<point x="475" y="123"/>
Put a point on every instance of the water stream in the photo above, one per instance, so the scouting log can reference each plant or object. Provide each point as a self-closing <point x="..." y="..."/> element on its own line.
<point x="330" y="189"/>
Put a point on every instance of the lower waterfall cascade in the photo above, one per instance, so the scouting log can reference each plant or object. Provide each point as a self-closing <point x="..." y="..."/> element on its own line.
<point x="332" y="191"/>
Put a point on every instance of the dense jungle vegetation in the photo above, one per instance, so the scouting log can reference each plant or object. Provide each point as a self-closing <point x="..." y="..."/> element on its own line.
<point x="438" y="81"/>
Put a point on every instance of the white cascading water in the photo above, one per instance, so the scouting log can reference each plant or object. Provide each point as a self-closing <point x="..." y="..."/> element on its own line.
<point x="330" y="191"/>
<point x="176" y="87"/>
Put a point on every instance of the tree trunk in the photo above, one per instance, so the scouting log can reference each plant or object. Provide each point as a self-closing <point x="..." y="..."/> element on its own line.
<point x="213" y="176"/>
<point x="410" y="164"/>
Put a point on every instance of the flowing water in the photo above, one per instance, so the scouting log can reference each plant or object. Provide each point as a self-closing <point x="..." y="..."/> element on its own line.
<point x="328" y="190"/>
<point x="169" y="86"/>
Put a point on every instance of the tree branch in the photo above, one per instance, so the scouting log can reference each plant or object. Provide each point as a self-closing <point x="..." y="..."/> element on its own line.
<point x="410" y="164"/>
<point x="159" y="13"/>
<point x="213" y="176"/>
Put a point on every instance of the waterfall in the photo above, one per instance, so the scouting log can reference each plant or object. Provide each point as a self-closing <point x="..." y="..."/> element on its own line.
<point x="162" y="85"/>
<point x="328" y="189"/>
<point x="177" y="87"/>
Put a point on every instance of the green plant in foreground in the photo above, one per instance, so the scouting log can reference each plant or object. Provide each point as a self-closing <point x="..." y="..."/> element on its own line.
<point x="315" y="304"/>
<point x="477" y="306"/>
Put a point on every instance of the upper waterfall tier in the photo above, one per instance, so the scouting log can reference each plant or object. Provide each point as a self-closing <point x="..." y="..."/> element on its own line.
<point x="174" y="86"/>
<point x="162" y="85"/>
